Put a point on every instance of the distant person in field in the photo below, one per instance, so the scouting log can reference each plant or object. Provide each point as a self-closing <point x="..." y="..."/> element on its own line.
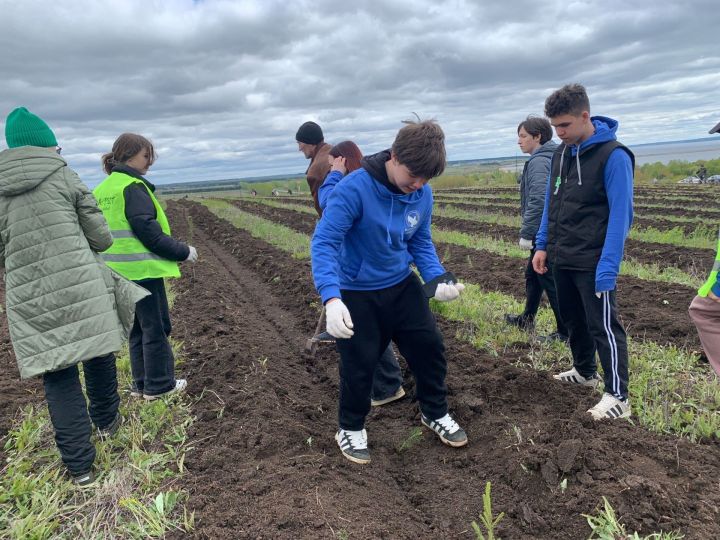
<point x="702" y="172"/>
<point x="587" y="217"/>
<point x="143" y="251"/>
<point x="311" y="142"/>
<point x="344" y="158"/>
<point x="376" y="223"/>
<point x="64" y="306"/>
<point x="705" y="308"/>
<point x="535" y="138"/>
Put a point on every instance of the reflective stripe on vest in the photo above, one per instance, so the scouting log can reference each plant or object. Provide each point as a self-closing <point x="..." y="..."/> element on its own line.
<point x="127" y="255"/>
<point x="712" y="279"/>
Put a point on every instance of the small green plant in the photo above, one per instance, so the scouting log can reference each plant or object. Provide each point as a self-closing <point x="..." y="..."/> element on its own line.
<point x="411" y="440"/>
<point x="486" y="518"/>
<point x="606" y="526"/>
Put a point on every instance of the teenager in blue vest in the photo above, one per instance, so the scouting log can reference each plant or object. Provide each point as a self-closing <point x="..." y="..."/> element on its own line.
<point x="587" y="217"/>
<point x="375" y="225"/>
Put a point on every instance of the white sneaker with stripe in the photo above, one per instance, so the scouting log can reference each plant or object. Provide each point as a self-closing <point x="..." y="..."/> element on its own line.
<point x="353" y="445"/>
<point x="572" y="376"/>
<point x="610" y="408"/>
<point x="447" y="429"/>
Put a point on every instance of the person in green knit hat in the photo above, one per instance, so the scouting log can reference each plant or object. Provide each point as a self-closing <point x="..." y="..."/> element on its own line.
<point x="64" y="305"/>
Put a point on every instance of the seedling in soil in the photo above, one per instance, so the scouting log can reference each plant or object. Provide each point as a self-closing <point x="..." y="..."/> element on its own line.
<point x="412" y="439"/>
<point x="607" y="526"/>
<point x="486" y="518"/>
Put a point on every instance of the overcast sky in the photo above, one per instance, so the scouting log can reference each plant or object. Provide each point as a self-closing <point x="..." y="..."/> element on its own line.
<point x="221" y="86"/>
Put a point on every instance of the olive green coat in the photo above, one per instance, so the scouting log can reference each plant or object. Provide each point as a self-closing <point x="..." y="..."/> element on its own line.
<point x="63" y="304"/>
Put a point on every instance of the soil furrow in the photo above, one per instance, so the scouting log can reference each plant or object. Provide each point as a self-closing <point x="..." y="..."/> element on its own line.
<point x="527" y="431"/>
<point x="649" y="309"/>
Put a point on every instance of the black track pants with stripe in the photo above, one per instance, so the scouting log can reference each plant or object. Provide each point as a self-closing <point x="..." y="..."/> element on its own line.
<point x="593" y="327"/>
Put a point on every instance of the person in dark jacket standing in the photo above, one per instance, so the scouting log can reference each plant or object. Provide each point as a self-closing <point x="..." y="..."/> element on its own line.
<point x="376" y="223"/>
<point x="144" y="251"/>
<point x="311" y="142"/>
<point x="62" y="303"/>
<point x="587" y="216"/>
<point x="535" y="138"/>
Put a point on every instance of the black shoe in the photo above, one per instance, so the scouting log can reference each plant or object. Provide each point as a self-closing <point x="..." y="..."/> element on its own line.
<point x="84" y="480"/>
<point x="554" y="336"/>
<point x="112" y="429"/>
<point x="522" y="322"/>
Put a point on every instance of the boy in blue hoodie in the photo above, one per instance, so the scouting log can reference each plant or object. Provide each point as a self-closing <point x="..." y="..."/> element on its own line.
<point x="587" y="216"/>
<point x="375" y="225"/>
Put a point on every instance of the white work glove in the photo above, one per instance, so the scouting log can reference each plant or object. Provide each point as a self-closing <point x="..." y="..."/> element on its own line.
<point x="446" y="292"/>
<point x="525" y="243"/>
<point x="192" y="256"/>
<point x="339" y="324"/>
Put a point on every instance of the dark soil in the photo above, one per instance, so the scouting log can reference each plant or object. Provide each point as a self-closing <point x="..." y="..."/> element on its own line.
<point x="265" y="465"/>
<point x="649" y="310"/>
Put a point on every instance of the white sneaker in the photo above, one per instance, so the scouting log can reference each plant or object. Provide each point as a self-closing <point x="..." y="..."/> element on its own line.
<point x="610" y="408"/>
<point x="447" y="429"/>
<point x="574" y="377"/>
<point x="180" y="385"/>
<point x="353" y="445"/>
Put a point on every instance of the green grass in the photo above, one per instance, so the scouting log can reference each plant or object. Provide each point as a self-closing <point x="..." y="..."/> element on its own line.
<point x="649" y="272"/>
<point x="605" y="525"/>
<point x="137" y="493"/>
<point x="297" y="244"/>
<point x="670" y="392"/>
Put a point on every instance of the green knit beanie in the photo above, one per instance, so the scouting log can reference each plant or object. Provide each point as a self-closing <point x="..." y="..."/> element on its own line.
<point x="23" y="128"/>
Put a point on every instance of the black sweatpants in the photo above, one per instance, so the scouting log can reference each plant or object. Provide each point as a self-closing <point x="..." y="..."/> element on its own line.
<point x="69" y="410"/>
<point x="151" y="358"/>
<point x="402" y="314"/>
<point x="535" y="284"/>
<point x="593" y="327"/>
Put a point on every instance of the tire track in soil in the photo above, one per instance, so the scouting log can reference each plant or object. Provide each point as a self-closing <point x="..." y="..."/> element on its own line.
<point x="653" y="481"/>
<point x="642" y="304"/>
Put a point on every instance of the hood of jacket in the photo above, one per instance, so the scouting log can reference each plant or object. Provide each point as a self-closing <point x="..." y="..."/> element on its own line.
<point x="25" y="168"/>
<point x="605" y="129"/>
<point x="546" y="150"/>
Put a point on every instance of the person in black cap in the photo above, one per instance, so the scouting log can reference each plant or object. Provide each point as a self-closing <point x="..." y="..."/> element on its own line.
<point x="312" y="144"/>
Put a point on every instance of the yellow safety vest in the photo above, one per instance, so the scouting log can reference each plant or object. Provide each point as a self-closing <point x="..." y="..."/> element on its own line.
<point x="705" y="289"/>
<point x="127" y="255"/>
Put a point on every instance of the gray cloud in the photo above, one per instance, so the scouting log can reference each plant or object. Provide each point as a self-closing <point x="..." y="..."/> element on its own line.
<point x="221" y="86"/>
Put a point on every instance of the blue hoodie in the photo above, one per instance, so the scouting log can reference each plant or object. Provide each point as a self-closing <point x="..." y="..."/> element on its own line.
<point x="618" y="182"/>
<point x="368" y="237"/>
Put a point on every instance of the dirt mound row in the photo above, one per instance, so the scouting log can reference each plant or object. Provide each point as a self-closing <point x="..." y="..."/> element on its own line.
<point x="255" y="475"/>
<point x="649" y="310"/>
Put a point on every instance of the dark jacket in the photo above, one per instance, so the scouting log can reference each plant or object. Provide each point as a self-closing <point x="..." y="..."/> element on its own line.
<point x="533" y="184"/>
<point x="589" y="205"/>
<point x="140" y="213"/>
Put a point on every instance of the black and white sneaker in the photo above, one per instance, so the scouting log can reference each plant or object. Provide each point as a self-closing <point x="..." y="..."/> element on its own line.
<point x="84" y="480"/>
<point x="447" y="429"/>
<point x="610" y="408"/>
<point x="572" y="376"/>
<point x="112" y="429"/>
<point x="353" y="445"/>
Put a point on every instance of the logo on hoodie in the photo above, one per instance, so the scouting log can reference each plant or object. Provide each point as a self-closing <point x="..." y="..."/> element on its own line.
<point x="412" y="219"/>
